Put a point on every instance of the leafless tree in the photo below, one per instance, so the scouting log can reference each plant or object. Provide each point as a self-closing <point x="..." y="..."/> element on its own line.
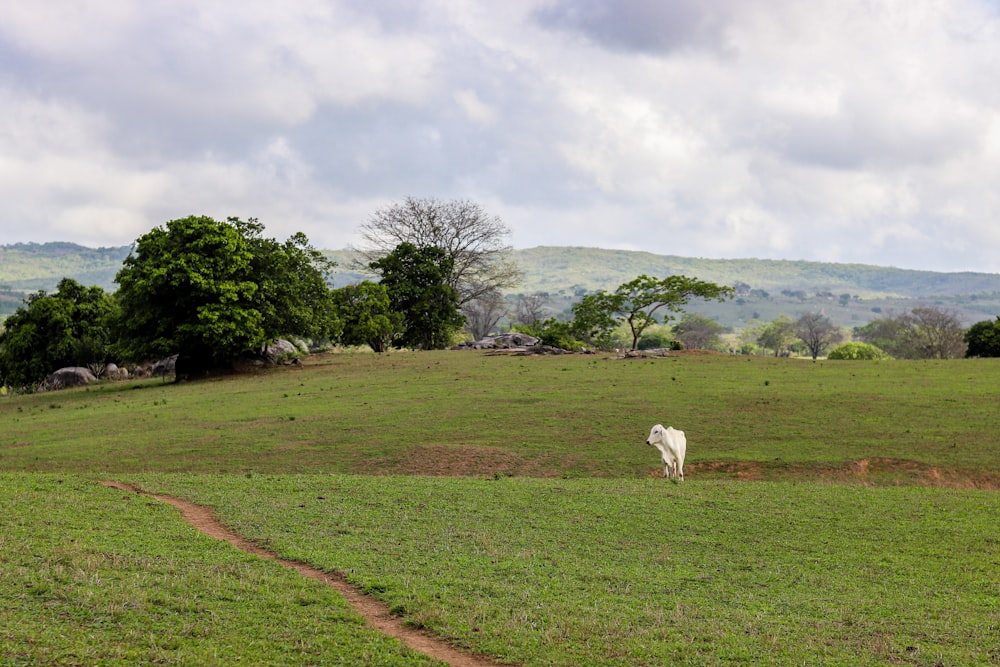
<point x="926" y="332"/>
<point x="698" y="332"/>
<point x="530" y="308"/>
<point x="817" y="332"/>
<point x="470" y="237"/>
<point x="934" y="333"/>
<point x="483" y="313"/>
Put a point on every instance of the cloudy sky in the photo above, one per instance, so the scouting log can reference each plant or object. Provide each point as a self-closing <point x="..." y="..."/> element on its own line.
<point x="832" y="130"/>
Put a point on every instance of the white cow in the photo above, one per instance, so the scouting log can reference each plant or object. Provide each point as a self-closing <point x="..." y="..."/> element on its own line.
<point x="672" y="445"/>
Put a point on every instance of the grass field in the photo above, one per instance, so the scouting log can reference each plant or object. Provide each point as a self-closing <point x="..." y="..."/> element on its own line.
<point x="510" y="505"/>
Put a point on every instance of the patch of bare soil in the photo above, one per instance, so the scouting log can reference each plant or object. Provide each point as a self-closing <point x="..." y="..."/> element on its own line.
<point x="373" y="611"/>
<point x="916" y="472"/>
<point x="745" y="470"/>
<point x="465" y="461"/>
<point x="870" y="471"/>
<point x="482" y="461"/>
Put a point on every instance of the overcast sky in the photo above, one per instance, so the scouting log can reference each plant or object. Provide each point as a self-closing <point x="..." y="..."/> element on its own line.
<point x="832" y="130"/>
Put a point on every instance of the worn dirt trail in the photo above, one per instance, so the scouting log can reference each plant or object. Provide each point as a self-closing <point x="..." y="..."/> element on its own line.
<point x="376" y="613"/>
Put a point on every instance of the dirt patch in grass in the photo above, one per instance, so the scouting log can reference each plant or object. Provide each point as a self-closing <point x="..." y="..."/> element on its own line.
<point x="373" y="611"/>
<point x="467" y="461"/>
<point x="875" y="471"/>
<point x="482" y="461"/>
<point x="745" y="470"/>
<point x="913" y="472"/>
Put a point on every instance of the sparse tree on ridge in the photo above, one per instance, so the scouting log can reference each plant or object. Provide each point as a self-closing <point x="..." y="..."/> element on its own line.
<point x="470" y="238"/>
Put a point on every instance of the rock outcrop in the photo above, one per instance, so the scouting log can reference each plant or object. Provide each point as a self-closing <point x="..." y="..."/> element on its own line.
<point x="71" y="376"/>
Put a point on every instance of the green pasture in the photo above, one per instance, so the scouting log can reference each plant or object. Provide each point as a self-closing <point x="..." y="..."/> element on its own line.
<point x="94" y="576"/>
<point x="473" y="414"/>
<point x="509" y="505"/>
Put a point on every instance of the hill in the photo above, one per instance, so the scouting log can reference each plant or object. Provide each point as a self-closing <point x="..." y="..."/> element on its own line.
<point x="850" y="294"/>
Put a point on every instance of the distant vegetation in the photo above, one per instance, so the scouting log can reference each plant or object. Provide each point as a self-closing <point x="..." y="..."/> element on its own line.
<point x="850" y="295"/>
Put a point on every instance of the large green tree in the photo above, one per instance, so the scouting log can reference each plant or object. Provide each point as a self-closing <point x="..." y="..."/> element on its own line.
<point x="777" y="335"/>
<point x="292" y="293"/>
<point x="983" y="339"/>
<point x="637" y="303"/>
<point x="69" y="327"/>
<point x="366" y="312"/>
<point x="416" y="280"/>
<point x="209" y="291"/>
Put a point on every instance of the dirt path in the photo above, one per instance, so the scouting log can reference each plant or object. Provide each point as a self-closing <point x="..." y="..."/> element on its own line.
<point x="376" y="613"/>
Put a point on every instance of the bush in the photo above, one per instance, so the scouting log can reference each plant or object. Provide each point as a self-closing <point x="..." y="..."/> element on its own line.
<point x="552" y="333"/>
<point x="983" y="339"/>
<point x="659" y="341"/>
<point x="858" y="351"/>
<point x="653" y="341"/>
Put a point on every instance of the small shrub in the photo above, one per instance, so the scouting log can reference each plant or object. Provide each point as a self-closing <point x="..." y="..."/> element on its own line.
<point x="551" y="332"/>
<point x="659" y="341"/>
<point x="858" y="351"/>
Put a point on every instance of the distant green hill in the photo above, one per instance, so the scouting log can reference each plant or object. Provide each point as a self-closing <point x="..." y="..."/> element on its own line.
<point x="850" y="294"/>
<point x="29" y="267"/>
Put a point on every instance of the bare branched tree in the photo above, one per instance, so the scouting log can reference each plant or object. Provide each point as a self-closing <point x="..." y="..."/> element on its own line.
<point x="817" y="332"/>
<point x="471" y="238"/>
<point x="923" y="333"/>
<point x="935" y="333"/>
<point x="698" y="332"/>
<point x="530" y="308"/>
<point x="483" y="313"/>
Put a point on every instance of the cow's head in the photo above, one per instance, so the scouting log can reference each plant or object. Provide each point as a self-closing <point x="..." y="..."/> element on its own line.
<point x="655" y="434"/>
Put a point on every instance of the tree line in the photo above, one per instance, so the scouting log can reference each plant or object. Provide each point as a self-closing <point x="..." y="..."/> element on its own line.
<point x="210" y="291"/>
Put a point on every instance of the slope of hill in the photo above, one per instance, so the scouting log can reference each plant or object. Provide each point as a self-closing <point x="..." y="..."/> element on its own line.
<point x="552" y="268"/>
<point x="850" y="294"/>
<point x="28" y="267"/>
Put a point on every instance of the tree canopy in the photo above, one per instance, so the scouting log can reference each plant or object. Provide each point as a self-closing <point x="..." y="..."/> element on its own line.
<point x="368" y="319"/>
<point x="637" y="302"/>
<point x="472" y="240"/>
<point x="209" y="291"/>
<point x="69" y="327"/>
<point x="856" y="351"/>
<point x="925" y="332"/>
<point x="416" y="281"/>
<point x="983" y="339"/>
<point x="292" y="294"/>
<point x="777" y="335"/>
<point x="698" y="332"/>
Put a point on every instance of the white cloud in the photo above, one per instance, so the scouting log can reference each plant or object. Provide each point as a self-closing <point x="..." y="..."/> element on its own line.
<point x="836" y="130"/>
